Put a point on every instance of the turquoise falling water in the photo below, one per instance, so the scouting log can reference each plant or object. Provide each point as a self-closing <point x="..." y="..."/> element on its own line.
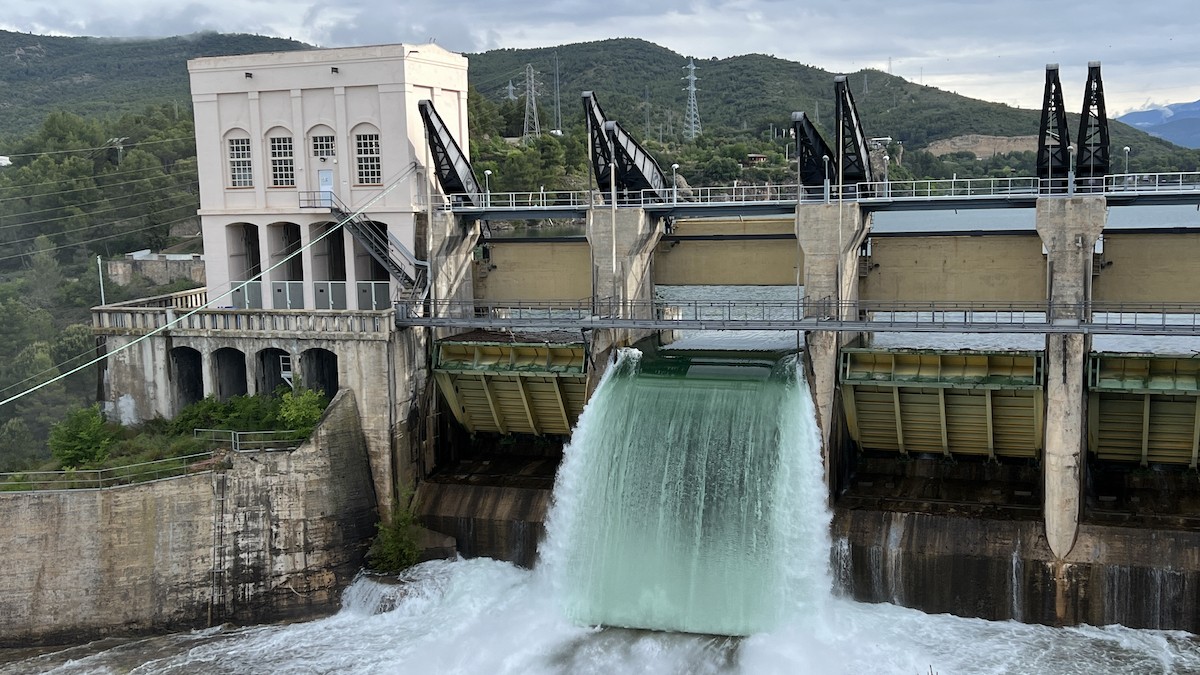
<point x="691" y="499"/>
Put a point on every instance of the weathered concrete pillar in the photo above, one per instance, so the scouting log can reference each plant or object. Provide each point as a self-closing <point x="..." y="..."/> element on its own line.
<point x="451" y="243"/>
<point x="830" y="235"/>
<point x="622" y="242"/>
<point x="1069" y="227"/>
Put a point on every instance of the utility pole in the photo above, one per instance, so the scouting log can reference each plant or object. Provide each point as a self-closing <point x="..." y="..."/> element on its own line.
<point x="533" y="127"/>
<point x="647" y="135"/>
<point x="557" y="107"/>
<point x="692" y="127"/>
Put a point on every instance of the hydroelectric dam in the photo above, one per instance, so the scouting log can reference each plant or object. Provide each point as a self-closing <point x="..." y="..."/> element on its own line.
<point x="697" y="409"/>
<point x="1002" y="370"/>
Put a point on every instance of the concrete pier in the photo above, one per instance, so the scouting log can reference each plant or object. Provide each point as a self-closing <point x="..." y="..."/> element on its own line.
<point x="830" y="236"/>
<point x="622" y="243"/>
<point x="1069" y="228"/>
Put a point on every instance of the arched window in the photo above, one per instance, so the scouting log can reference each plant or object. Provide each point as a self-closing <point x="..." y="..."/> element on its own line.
<point x="321" y="142"/>
<point x="368" y="162"/>
<point x="237" y="154"/>
<point x="281" y="150"/>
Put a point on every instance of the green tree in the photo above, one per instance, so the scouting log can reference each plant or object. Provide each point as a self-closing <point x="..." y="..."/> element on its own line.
<point x="301" y="410"/>
<point x="82" y="438"/>
<point x="394" y="548"/>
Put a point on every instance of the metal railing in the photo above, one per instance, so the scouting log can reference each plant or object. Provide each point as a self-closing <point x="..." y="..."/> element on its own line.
<point x="1016" y="187"/>
<point x="117" y="476"/>
<point x="250" y="441"/>
<point x="817" y="314"/>
<point x="1152" y="183"/>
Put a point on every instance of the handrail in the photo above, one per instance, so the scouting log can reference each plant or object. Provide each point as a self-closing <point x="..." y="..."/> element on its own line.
<point x="111" y="477"/>
<point x="991" y="188"/>
<point x="250" y="441"/>
<point x="818" y="314"/>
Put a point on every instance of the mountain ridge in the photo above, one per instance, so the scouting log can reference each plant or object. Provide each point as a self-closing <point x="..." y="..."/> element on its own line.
<point x="635" y="80"/>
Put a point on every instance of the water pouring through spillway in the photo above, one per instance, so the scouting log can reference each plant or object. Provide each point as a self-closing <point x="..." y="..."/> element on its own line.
<point x="691" y="499"/>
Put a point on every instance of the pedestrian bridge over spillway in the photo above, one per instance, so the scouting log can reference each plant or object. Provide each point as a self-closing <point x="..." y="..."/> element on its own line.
<point x="869" y="317"/>
<point x="979" y="270"/>
<point x="910" y="195"/>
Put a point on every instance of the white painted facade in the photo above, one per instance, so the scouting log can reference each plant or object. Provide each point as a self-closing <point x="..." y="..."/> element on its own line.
<point x="270" y="127"/>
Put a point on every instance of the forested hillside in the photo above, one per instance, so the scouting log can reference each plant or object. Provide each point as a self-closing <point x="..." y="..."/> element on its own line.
<point x="73" y="194"/>
<point x="104" y="77"/>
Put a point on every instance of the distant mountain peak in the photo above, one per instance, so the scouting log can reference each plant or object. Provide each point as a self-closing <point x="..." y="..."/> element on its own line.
<point x="1178" y="123"/>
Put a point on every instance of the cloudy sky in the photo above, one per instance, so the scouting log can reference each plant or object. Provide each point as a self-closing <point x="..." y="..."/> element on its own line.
<point x="989" y="50"/>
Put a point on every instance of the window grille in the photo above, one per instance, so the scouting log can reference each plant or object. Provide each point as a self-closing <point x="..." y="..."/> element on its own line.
<point x="283" y="168"/>
<point x="322" y="146"/>
<point x="240" y="172"/>
<point x="370" y="170"/>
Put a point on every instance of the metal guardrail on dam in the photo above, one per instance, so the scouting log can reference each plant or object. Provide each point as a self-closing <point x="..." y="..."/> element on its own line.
<point x="1157" y="188"/>
<point x="955" y="317"/>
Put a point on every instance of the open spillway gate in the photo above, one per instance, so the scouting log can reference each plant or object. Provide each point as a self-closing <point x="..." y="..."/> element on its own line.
<point x="1143" y="408"/>
<point x="924" y="401"/>
<point x="502" y="383"/>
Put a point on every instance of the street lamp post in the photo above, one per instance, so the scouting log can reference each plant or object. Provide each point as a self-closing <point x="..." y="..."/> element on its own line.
<point x="825" y="158"/>
<point x="487" y="188"/>
<point x="887" y="187"/>
<point x="674" y="185"/>
<point x="1126" y="149"/>
<point x="1071" y="170"/>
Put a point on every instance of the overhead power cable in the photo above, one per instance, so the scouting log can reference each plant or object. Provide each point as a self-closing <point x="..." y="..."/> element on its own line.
<point x="99" y="186"/>
<point x="404" y="175"/>
<point x="22" y="186"/>
<point x="109" y="200"/>
<point x="103" y="147"/>
<point x="98" y="239"/>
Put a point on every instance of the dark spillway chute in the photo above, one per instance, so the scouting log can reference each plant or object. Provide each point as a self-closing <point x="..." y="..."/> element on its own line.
<point x="1053" y="158"/>
<point x="619" y="161"/>
<point x="855" y="159"/>
<point x="1094" y="157"/>
<point x="812" y="152"/>
<point x="450" y="164"/>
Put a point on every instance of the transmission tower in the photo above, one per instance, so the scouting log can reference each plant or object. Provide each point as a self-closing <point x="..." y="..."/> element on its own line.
<point x="533" y="128"/>
<point x="691" y="121"/>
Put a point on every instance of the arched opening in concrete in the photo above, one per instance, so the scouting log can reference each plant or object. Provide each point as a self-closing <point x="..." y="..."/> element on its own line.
<point x="230" y="365"/>
<point x="188" y="375"/>
<point x="274" y="369"/>
<point x="245" y="262"/>
<point x="287" y="280"/>
<point x="319" y="370"/>
<point x="374" y="286"/>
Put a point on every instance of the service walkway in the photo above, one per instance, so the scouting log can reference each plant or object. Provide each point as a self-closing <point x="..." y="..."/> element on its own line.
<point x="924" y="195"/>
<point x="869" y="317"/>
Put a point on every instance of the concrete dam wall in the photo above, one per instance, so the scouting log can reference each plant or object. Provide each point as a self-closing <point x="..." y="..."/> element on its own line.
<point x="264" y="536"/>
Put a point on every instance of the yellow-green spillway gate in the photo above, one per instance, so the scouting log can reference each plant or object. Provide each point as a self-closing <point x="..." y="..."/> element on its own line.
<point x="512" y="386"/>
<point x="1143" y="408"/>
<point x="927" y="401"/>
